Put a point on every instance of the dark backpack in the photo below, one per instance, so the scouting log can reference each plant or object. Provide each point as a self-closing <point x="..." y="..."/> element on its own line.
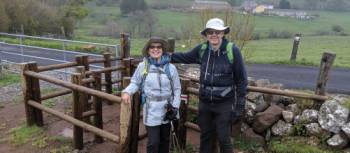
<point x="228" y="48"/>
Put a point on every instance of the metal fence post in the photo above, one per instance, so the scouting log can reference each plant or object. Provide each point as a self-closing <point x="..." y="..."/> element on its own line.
<point x="21" y="42"/>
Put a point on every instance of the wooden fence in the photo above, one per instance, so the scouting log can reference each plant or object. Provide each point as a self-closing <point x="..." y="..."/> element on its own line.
<point x="88" y="96"/>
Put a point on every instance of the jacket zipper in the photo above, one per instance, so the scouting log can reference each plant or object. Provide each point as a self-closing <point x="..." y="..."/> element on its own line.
<point x="212" y="78"/>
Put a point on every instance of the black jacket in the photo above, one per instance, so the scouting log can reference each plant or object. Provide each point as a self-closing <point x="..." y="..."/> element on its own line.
<point x="221" y="74"/>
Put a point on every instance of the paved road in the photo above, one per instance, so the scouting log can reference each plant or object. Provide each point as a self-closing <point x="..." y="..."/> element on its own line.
<point x="301" y="77"/>
<point x="295" y="77"/>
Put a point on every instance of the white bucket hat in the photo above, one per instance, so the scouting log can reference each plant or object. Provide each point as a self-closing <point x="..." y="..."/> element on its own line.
<point x="216" y="24"/>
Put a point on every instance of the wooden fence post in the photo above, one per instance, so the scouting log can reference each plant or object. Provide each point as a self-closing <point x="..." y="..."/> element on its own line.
<point x="326" y="64"/>
<point x="124" y="45"/>
<point x="171" y="42"/>
<point x="296" y="42"/>
<point x="31" y="91"/>
<point x="83" y="96"/>
<point x="98" y="120"/>
<point x="136" y="105"/>
<point x="182" y="130"/>
<point x="108" y="75"/>
<point x="78" y="139"/>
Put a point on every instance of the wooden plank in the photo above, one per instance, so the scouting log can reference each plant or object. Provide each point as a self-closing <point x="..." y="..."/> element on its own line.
<point x="325" y="66"/>
<point x="74" y="86"/>
<point x="98" y="120"/>
<point x="78" y="135"/>
<point x="74" y="121"/>
<point x="108" y="75"/>
<point x="125" y="123"/>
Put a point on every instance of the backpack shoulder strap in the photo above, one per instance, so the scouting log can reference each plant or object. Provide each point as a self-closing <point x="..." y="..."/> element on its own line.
<point x="168" y="74"/>
<point x="204" y="46"/>
<point x="144" y="73"/>
<point x="229" y="51"/>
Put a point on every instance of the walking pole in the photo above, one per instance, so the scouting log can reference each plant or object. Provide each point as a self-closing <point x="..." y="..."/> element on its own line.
<point x="174" y="140"/>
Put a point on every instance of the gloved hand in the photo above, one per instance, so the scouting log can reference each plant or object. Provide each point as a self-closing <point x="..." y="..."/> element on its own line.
<point x="171" y="113"/>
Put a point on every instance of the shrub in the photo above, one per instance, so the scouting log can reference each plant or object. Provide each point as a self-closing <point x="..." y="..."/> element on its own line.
<point x="279" y="34"/>
<point x="337" y="28"/>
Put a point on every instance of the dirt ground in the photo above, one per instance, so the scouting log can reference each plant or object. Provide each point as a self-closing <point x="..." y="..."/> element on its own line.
<point x="56" y="136"/>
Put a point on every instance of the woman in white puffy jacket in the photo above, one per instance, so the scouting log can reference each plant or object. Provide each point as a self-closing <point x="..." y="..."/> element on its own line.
<point x="159" y="83"/>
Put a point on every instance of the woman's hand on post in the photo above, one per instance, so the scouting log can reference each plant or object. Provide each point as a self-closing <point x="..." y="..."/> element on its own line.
<point x="125" y="98"/>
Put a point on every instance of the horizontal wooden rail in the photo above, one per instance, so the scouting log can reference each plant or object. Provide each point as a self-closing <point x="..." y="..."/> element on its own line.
<point x="89" y="113"/>
<point x="192" y="126"/>
<point x="275" y="92"/>
<point x="56" y="94"/>
<point x="56" y="66"/>
<point x="142" y="136"/>
<point x="76" y="122"/>
<point x="116" y="58"/>
<point x="103" y="70"/>
<point x="88" y="80"/>
<point x="287" y="93"/>
<point x="92" y="61"/>
<point x="113" y="81"/>
<point x="71" y="86"/>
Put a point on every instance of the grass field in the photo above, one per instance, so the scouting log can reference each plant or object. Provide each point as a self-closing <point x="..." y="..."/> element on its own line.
<point x="309" y="53"/>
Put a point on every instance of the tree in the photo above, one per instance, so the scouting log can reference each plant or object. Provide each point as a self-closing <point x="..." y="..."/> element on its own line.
<point x="128" y="6"/>
<point x="284" y="4"/>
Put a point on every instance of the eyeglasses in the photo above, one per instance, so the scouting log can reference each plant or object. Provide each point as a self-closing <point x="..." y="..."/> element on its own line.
<point x="153" y="47"/>
<point x="213" y="32"/>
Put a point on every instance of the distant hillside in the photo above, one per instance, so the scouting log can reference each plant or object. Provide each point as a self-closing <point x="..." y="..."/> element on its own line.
<point x="329" y="5"/>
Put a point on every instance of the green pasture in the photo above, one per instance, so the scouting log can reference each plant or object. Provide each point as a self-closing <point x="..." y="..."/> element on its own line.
<point x="310" y="50"/>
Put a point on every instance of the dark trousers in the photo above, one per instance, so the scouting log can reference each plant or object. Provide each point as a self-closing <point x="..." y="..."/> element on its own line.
<point x="158" y="138"/>
<point x="215" y="118"/>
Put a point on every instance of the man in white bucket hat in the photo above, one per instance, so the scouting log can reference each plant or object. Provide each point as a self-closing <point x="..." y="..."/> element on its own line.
<point x="223" y="84"/>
